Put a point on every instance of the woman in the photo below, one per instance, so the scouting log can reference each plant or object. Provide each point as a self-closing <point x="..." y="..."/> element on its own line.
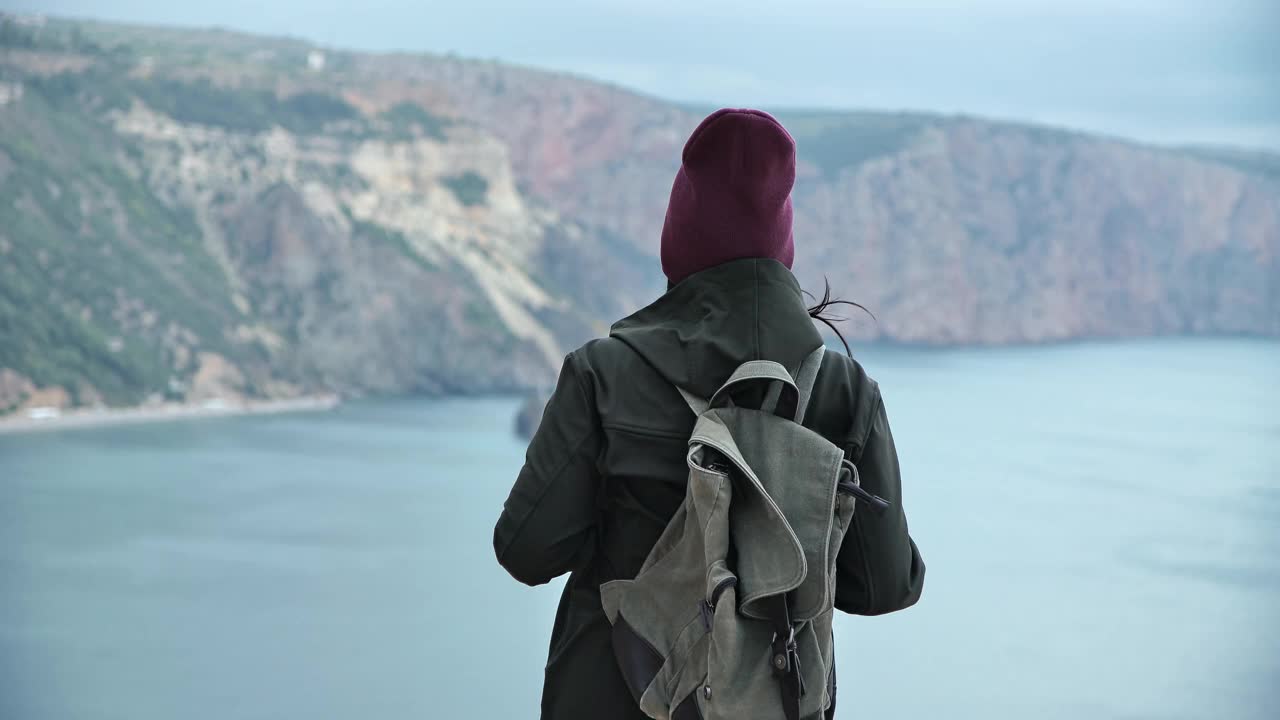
<point x="606" y="470"/>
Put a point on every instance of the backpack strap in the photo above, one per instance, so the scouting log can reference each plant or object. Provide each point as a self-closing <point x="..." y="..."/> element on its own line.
<point x="783" y="397"/>
<point x="805" y="377"/>
<point x="801" y="388"/>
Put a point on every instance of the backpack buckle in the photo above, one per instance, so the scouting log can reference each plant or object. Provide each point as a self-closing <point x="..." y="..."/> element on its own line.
<point x="785" y="659"/>
<point x="785" y="655"/>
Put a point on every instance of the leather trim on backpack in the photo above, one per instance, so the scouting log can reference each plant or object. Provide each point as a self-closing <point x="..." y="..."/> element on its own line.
<point x="688" y="708"/>
<point x="638" y="660"/>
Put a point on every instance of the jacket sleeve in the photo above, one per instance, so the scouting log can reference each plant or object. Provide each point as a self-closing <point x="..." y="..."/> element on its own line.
<point x="547" y="526"/>
<point x="879" y="569"/>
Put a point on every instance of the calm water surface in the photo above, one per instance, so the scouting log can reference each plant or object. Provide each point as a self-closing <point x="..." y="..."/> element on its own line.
<point x="1101" y="525"/>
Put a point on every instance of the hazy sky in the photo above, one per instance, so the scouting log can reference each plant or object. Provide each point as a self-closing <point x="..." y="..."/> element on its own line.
<point x="1177" y="71"/>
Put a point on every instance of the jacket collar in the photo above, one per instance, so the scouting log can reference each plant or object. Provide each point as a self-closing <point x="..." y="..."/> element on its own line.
<point x="698" y="332"/>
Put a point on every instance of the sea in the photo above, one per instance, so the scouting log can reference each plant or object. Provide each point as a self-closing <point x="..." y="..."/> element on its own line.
<point x="1100" y="523"/>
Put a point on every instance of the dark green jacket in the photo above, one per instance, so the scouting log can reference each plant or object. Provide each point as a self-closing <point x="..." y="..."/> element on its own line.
<point x="606" y="469"/>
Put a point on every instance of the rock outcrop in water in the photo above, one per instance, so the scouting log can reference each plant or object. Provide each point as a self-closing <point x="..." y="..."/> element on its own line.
<point x="204" y="214"/>
<point x="529" y="417"/>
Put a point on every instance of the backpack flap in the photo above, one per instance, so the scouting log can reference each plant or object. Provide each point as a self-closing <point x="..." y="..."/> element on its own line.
<point x="769" y="557"/>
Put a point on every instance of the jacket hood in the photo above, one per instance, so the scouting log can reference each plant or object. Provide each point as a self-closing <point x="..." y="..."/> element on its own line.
<point x="702" y="329"/>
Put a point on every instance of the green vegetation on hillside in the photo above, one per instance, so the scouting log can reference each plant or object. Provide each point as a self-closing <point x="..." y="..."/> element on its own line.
<point x="374" y="233"/>
<point x="469" y="187"/>
<point x="108" y="84"/>
<point x="97" y="273"/>
<point x="64" y="37"/>
<point x="1265" y="164"/>
<point x="242" y="110"/>
<point x="835" y="141"/>
<point x="404" y="117"/>
<point x="106" y="286"/>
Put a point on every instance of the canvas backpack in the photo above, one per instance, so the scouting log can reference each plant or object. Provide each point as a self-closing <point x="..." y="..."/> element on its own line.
<point x="730" y="615"/>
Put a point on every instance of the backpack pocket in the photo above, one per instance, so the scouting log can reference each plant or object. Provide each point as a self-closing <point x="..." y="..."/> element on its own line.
<point x="654" y="680"/>
<point x="685" y="666"/>
<point x="638" y="660"/>
<point x="696" y="688"/>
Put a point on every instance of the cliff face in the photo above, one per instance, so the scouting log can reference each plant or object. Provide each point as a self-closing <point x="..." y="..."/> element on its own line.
<point x="996" y="234"/>
<point x="952" y="230"/>
<point x="193" y="214"/>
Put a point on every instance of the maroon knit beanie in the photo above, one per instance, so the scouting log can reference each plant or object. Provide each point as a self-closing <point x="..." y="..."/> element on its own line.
<point x="732" y="196"/>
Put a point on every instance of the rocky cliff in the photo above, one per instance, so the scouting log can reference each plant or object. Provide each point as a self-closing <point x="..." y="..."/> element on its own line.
<point x="197" y="214"/>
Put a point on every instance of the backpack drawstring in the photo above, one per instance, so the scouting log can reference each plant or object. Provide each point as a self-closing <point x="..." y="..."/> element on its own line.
<point x="854" y="487"/>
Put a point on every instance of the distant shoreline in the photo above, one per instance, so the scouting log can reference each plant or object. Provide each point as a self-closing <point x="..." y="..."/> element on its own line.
<point x="23" y="422"/>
